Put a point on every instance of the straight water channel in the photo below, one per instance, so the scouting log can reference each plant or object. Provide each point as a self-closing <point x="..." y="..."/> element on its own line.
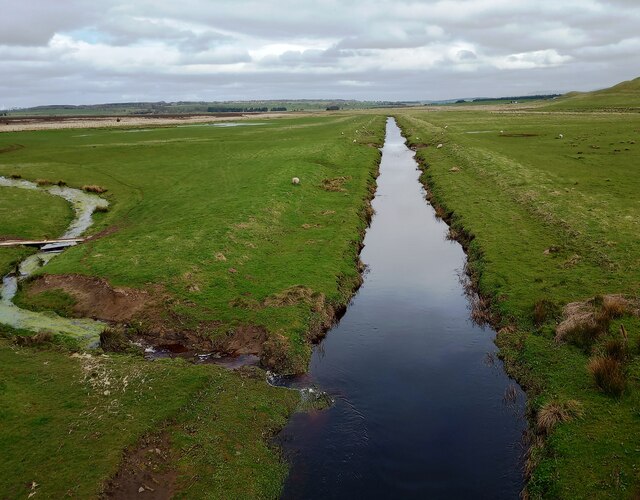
<point x="420" y="408"/>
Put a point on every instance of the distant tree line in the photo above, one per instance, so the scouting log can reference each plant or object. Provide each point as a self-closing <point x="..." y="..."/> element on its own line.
<point x="517" y="98"/>
<point x="227" y="109"/>
<point x="333" y="108"/>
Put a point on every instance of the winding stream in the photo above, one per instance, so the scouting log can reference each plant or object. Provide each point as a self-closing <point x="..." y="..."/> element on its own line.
<point x="85" y="330"/>
<point x="423" y="408"/>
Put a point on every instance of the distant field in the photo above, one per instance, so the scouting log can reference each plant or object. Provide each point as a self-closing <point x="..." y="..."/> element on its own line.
<point x="553" y="220"/>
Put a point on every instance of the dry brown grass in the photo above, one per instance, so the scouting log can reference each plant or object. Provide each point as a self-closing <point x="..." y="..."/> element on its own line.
<point x="617" y="349"/>
<point x="608" y="374"/>
<point x="585" y="321"/>
<point x="93" y="188"/>
<point x="544" y="310"/>
<point x="15" y="176"/>
<point x="557" y="412"/>
<point x="44" y="182"/>
<point x="101" y="209"/>
<point x="613" y="306"/>
<point x="40" y="338"/>
<point x="334" y="184"/>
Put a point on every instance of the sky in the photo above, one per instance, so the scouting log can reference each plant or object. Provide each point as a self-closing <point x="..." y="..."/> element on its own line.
<point x="96" y="51"/>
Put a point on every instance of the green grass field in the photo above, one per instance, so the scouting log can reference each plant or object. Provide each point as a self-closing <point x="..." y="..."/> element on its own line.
<point x="519" y="190"/>
<point x="65" y="421"/>
<point x="207" y="219"/>
<point x="624" y="96"/>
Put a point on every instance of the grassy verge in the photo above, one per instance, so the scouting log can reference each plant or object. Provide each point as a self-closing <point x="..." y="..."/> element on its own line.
<point x="546" y="206"/>
<point x="207" y="219"/>
<point x="65" y="420"/>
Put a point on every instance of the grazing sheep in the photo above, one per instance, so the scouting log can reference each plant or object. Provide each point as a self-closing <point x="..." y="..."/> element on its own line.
<point x="446" y="126"/>
<point x="295" y="181"/>
<point x="354" y="140"/>
<point x="560" y="136"/>
<point x="502" y="131"/>
<point x="439" y="146"/>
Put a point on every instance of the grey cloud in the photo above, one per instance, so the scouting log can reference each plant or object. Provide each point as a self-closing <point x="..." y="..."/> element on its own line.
<point x="85" y="51"/>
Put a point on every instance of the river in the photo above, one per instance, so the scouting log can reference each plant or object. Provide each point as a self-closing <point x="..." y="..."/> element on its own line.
<point x="420" y="408"/>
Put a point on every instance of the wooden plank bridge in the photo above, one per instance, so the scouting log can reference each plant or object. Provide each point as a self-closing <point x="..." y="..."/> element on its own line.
<point x="41" y="243"/>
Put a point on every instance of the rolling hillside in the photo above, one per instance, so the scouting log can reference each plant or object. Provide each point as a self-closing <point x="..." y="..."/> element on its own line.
<point x="623" y="96"/>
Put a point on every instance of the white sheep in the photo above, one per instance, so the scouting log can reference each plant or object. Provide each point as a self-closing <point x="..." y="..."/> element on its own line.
<point x="354" y="140"/>
<point x="560" y="136"/>
<point x="439" y="146"/>
<point x="295" y="181"/>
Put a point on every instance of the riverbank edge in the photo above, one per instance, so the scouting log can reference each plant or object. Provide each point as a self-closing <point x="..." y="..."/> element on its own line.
<point x="508" y="338"/>
<point x="277" y="355"/>
<point x="323" y="319"/>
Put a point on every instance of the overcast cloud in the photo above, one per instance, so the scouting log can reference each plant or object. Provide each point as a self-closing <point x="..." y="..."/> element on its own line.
<point x="92" y="51"/>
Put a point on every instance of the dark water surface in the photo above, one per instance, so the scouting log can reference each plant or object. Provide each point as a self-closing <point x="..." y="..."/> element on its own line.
<point x="420" y="407"/>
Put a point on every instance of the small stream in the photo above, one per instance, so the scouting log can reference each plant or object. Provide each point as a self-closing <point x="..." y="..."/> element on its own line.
<point x="423" y="407"/>
<point x="85" y="330"/>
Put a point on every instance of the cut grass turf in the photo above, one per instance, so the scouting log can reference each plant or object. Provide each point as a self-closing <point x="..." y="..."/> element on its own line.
<point x="519" y="193"/>
<point x="64" y="427"/>
<point x="210" y="214"/>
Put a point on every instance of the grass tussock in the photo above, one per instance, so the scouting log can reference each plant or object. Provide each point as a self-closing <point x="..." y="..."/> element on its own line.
<point x="101" y="209"/>
<point x="557" y="412"/>
<point x="585" y="322"/>
<point x="38" y="339"/>
<point x="15" y="176"/>
<point x="611" y="307"/>
<point x="617" y="349"/>
<point x="608" y="374"/>
<point x="44" y="182"/>
<point x="543" y="311"/>
<point x="93" y="188"/>
<point x="114" y="339"/>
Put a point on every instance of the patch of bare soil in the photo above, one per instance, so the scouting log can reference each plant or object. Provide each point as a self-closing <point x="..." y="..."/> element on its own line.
<point x="11" y="147"/>
<point x="335" y="184"/>
<point x="95" y="297"/>
<point x="146" y="471"/>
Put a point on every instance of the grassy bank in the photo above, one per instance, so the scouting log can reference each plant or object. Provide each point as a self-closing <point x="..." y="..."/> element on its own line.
<point x="65" y="420"/>
<point x="547" y="207"/>
<point x="212" y="246"/>
<point x="205" y="220"/>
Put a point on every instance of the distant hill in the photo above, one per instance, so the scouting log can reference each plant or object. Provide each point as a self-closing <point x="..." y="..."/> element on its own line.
<point x="202" y="107"/>
<point x="623" y="96"/>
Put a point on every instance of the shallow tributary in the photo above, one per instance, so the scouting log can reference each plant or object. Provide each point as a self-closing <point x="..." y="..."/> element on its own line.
<point x="423" y="408"/>
<point x="87" y="331"/>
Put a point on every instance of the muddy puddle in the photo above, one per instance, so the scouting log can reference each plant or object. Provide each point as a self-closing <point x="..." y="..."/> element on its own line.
<point x="85" y="330"/>
<point x="422" y="406"/>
